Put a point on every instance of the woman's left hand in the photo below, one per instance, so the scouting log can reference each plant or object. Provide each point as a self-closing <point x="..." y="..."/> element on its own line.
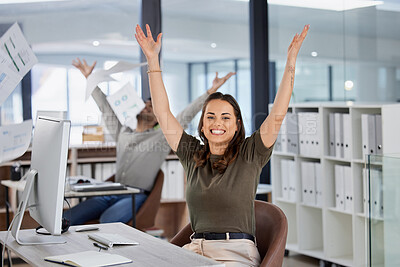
<point x="297" y="41"/>
<point x="150" y="48"/>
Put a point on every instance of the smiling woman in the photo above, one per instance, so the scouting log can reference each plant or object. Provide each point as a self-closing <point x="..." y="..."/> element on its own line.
<point x="226" y="164"/>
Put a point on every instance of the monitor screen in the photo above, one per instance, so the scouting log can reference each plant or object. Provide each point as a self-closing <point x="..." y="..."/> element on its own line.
<point x="44" y="191"/>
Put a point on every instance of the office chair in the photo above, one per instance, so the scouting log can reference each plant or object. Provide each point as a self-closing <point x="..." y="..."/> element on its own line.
<point x="146" y="215"/>
<point x="271" y="233"/>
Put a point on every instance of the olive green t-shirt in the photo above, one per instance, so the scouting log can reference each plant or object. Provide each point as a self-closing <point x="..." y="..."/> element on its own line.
<point x="223" y="202"/>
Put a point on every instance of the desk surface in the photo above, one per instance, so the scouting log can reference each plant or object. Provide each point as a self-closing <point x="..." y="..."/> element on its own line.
<point x="151" y="251"/>
<point x="264" y="189"/>
<point x="20" y="185"/>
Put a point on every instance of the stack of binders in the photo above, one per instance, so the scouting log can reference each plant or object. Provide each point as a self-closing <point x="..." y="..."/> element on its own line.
<point x="309" y="134"/>
<point x="340" y="136"/>
<point x="344" y="188"/>
<point x="311" y="182"/>
<point x="373" y="192"/>
<point x="289" y="180"/>
<point x="288" y="140"/>
<point x="371" y="131"/>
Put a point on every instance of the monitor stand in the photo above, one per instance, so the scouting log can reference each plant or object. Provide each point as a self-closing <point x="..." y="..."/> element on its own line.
<point x="16" y="225"/>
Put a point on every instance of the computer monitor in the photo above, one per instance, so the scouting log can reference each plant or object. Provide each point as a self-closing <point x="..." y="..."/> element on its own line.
<point x="44" y="190"/>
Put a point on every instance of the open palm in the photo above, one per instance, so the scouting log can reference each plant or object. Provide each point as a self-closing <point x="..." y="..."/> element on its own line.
<point x="149" y="47"/>
<point x="297" y="41"/>
<point x="83" y="67"/>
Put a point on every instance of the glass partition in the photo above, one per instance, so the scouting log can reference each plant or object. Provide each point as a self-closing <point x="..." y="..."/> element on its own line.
<point x="350" y="53"/>
<point x="382" y="203"/>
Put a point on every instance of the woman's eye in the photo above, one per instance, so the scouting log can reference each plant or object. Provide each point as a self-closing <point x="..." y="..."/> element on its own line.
<point x="210" y="117"/>
<point x="225" y="118"/>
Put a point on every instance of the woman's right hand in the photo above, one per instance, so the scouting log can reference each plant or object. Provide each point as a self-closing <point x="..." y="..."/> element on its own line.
<point x="83" y="67"/>
<point x="150" y="48"/>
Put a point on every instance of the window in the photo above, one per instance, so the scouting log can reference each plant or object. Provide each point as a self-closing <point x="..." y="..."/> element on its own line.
<point x="60" y="88"/>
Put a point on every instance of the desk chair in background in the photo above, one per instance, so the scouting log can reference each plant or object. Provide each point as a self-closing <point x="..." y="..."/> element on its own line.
<point x="271" y="233"/>
<point x="146" y="215"/>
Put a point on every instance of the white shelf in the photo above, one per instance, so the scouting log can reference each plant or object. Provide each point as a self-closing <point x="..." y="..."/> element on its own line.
<point x="361" y="215"/>
<point x="326" y="232"/>
<point x="292" y="247"/>
<point x="310" y="206"/>
<point x="284" y="154"/>
<point x="315" y="253"/>
<point x="340" y="211"/>
<point x="345" y="260"/>
<point x="282" y="200"/>
<point x="358" y="161"/>
<point x="308" y="157"/>
<point x="337" y="159"/>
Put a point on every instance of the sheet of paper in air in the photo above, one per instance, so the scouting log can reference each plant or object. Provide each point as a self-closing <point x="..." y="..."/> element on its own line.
<point x="126" y="104"/>
<point x="104" y="75"/>
<point x="17" y="56"/>
<point x="8" y="78"/>
<point x="14" y="140"/>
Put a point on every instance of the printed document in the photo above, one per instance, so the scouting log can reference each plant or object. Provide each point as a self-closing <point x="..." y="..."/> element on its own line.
<point x="126" y="104"/>
<point x="8" y="78"/>
<point x="16" y="59"/>
<point x="104" y="75"/>
<point x="14" y="140"/>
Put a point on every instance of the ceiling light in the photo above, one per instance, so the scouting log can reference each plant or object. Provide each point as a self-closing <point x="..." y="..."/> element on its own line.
<point x="96" y="43"/>
<point x="348" y="85"/>
<point x="327" y="4"/>
<point x="314" y="54"/>
<point x="213" y="45"/>
<point x="26" y="1"/>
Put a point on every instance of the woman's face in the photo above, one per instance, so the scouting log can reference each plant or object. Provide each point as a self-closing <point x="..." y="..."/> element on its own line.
<point x="219" y="122"/>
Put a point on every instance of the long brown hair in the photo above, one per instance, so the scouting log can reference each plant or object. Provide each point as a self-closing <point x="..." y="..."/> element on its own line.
<point x="201" y="156"/>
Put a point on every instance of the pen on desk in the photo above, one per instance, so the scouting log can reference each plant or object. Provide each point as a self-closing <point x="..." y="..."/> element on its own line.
<point x="100" y="246"/>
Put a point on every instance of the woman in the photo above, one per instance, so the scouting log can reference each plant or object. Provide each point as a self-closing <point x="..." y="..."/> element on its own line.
<point x="223" y="173"/>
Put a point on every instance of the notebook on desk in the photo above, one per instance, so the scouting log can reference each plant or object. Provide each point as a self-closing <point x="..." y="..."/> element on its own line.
<point x="111" y="240"/>
<point x="89" y="258"/>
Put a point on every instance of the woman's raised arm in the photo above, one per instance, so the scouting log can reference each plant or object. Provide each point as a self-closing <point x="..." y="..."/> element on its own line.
<point x="169" y="125"/>
<point x="270" y="128"/>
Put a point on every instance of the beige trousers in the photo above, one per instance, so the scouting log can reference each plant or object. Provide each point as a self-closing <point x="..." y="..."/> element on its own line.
<point x="233" y="252"/>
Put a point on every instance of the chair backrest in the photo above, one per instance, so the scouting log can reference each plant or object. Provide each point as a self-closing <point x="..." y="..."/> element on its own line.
<point x="146" y="215"/>
<point x="271" y="233"/>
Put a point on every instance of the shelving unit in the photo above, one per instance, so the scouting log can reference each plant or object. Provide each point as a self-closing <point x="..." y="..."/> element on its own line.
<point x="326" y="232"/>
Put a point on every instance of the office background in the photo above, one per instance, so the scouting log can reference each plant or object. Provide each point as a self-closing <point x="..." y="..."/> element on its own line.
<point x="348" y="55"/>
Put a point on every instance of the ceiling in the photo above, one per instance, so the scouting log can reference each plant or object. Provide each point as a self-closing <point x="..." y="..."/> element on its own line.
<point x="189" y="26"/>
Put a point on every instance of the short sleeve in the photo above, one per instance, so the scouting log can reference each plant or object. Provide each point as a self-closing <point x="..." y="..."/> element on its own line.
<point x="254" y="150"/>
<point x="188" y="145"/>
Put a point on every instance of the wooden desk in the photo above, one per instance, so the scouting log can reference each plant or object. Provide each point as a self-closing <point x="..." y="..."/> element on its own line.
<point x="151" y="251"/>
<point x="20" y="185"/>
